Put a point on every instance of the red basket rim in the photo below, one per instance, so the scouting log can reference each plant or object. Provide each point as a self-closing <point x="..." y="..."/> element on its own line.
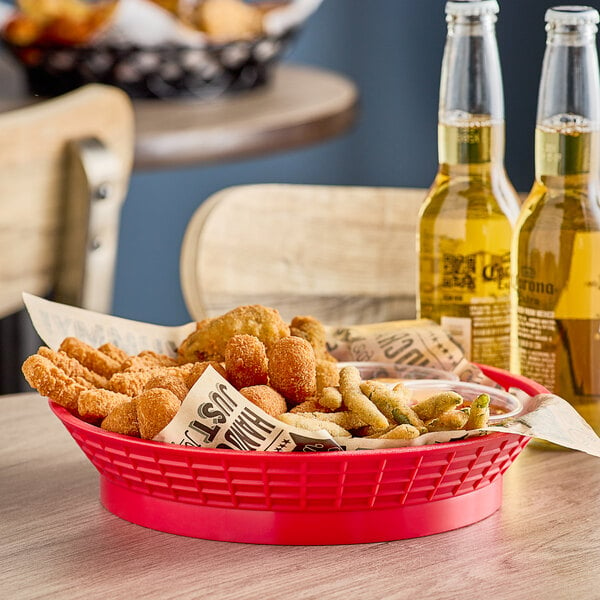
<point x="501" y="376"/>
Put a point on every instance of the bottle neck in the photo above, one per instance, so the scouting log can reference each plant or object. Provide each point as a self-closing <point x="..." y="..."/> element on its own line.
<point x="568" y="116"/>
<point x="471" y="109"/>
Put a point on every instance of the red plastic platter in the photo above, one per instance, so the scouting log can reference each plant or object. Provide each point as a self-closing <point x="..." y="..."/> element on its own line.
<point x="301" y="498"/>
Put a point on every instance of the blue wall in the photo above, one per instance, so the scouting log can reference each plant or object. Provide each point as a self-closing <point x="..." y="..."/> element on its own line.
<point x="392" y="49"/>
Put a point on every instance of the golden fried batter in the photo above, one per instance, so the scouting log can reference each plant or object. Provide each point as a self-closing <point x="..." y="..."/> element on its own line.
<point x="208" y="342"/>
<point x="292" y="369"/>
<point x="114" y="352"/>
<point x="73" y="368"/>
<point x="169" y="381"/>
<point x="314" y="333"/>
<point x="96" y="404"/>
<point x="246" y="361"/>
<point x="265" y="397"/>
<point x="147" y="360"/>
<point x="155" y="410"/>
<point x="123" y="419"/>
<point x="51" y="381"/>
<point x="89" y="357"/>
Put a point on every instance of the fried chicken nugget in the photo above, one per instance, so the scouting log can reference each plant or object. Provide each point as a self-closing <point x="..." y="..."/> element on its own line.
<point x="123" y="419"/>
<point x="155" y="410"/>
<point x="147" y="359"/>
<point x="51" y="381"/>
<point x="193" y="371"/>
<point x="209" y="340"/>
<point x="171" y="381"/>
<point x="266" y="398"/>
<point x="114" y="352"/>
<point x="246" y="361"/>
<point x="132" y="383"/>
<point x="73" y="368"/>
<point x="314" y="333"/>
<point x="292" y="369"/>
<point x="89" y="357"/>
<point x="97" y="403"/>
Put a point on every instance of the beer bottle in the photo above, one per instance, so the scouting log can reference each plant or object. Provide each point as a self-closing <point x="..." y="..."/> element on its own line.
<point x="556" y="252"/>
<point x="466" y="221"/>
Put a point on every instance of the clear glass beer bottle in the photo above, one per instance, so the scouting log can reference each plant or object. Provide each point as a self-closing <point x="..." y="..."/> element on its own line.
<point x="556" y="252"/>
<point x="466" y="221"/>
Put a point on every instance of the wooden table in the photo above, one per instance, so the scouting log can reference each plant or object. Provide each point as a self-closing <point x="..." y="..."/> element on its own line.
<point x="300" y="106"/>
<point x="59" y="542"/>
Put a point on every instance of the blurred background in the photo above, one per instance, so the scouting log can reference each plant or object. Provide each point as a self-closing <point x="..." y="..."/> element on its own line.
<point x="393" y="50"/>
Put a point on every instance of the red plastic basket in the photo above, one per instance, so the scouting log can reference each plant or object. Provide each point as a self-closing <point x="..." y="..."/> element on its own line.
<point x="301" y="498"/>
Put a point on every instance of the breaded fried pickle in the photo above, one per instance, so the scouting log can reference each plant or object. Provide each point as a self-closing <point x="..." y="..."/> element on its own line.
<point x="209" y="340"/>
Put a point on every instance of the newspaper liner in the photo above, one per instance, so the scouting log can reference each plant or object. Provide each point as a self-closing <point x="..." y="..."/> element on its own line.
<point x="216" y="415"/>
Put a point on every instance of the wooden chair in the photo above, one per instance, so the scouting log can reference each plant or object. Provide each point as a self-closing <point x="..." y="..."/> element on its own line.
<point x="65" y="165"/>
<point x="342" y="254"/>
<point x="64" y="171"/>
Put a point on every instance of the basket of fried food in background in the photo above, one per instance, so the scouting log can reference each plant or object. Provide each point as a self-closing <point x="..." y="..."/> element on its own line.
<point x="117" y="405"/>
<point x="152" y="48"/>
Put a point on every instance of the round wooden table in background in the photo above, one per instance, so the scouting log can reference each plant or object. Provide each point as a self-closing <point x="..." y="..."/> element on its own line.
<point x="300" y="106"/>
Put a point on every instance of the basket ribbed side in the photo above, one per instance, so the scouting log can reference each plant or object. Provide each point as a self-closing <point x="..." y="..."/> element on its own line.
<point x="290" y="482"/>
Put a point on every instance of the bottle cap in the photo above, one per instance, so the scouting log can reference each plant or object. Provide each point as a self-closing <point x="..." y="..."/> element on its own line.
<point x="572" y="15"/>
<point x="472" y="8"/>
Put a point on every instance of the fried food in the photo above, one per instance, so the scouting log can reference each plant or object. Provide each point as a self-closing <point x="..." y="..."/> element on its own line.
<point x="174" y="382"/>
<point x="266" y="398"/>
<point x="246" y="361"/>
<point x="449" y="421"/>
<point x="155" y="410"/>
<point x="393" y="403"/>
<point x="331" y="398"/>
<point x="309" y="406"/>
<point x="328" y="374"/>
<point x="73" y="368"/>
<point x="292" y="369"/>
<point x="89" y="357"/>
<point x="147" y="360"/>
<point x="68" y="22"/>
<point x="229" y="20"/>
<point x="132" y="383"/>
<point x="313" y="331"/>
<point x="97" y="403"/>
<point x="209" y="340"/>
<point x="399" y="432"/>
<point x="310" y="423"/>
<point x="479" y="412"/>
<point x="432" y="407"/>
<point x="193" y="371"/>
<point x="51" y="381"/>
<point x="114" y="352"/>
<point x="123" y="419"/>
<point x="345" y="418"/>
<point x="357" y="402"/>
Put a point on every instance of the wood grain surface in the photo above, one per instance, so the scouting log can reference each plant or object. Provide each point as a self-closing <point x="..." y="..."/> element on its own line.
<point x="59" y="542"/>
<point x="344" y="254"/>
